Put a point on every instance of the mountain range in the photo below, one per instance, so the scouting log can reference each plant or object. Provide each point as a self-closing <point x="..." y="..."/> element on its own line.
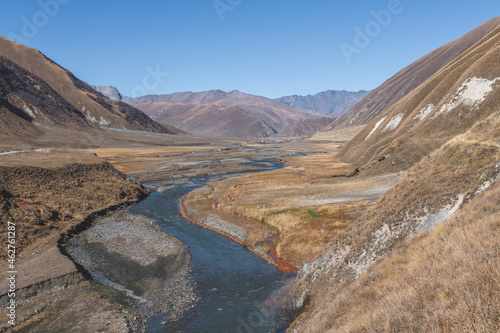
<point x="236" y="114"/>
<point x="331" y="103"/>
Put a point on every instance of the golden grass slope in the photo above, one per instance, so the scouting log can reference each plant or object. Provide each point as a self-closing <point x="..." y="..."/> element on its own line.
<point x="445" y="280"/>
<point x="446" y="182"/>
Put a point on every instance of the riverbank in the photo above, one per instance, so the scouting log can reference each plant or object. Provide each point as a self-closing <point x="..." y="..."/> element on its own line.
<point x="259" y="238"/>
<point x="48" y="196"/>
<point x="147" y="268"/>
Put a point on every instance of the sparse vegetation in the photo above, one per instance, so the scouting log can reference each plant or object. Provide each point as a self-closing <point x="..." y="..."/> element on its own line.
<point x="49" y="201"/>
<point x="445" y="280"/>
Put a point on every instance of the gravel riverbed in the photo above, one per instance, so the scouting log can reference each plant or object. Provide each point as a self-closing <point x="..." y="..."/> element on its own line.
<point x="147" y="268"/>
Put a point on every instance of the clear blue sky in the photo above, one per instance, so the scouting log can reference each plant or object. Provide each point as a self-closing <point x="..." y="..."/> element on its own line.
<point x="265" y="47"/>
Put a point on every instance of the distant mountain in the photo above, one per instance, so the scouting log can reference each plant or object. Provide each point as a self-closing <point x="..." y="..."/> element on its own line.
<point x="272" y="113"/>
<point x="407" y="79"/>
<point x="208" y="119"/>
<point x="110" y="92"/>
<point x="305" y="127"/>
<point x="239" y="114"/>
<point x="331" y="102"/>
<point x="94" y="106"/>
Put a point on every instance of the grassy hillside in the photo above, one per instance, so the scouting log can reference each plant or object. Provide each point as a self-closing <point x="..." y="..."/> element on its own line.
<point x="445" y="280"/>
<point x="447" y="104"/>
<point x="450" y="181"/>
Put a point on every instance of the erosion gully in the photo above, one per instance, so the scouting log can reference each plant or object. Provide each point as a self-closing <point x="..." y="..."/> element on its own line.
<point x="235" y="286"/>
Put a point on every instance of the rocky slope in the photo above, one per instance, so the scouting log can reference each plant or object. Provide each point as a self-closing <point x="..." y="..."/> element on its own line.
<point x="407" y="79"/>
<point x="331" y="102"/>
<point x="110" y="92"/>
<point x="94" y="106"/>
<point x="446" y="134"/>
<point x="431" y="193"/>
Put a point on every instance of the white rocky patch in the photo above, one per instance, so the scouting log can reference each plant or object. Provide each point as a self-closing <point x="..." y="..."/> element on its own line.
<point x="424" y="112"/>
<point x="29" y="111"/>
<point x="88" y="115"/>
<point x="430" y="221"/>
<point x="394" y="122"/>
<point x="472" y="92"/>
<point x="377" y="125"/>
<point x="103" y="122"/>
<point x="484" y="186"/>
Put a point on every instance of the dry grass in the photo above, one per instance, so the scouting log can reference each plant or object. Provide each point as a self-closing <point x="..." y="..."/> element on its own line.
<point x="337" y="135"/>
<point x="305" y="201"/>
<point x="48" y="201"/>
<point x="446" y="280"/>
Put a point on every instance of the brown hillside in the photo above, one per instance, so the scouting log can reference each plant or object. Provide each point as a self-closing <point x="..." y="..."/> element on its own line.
<point x="442" y="185"/>
<point x="29" y="107"/>
<point x="447" y="104"/>
<point x="407" y="79"/>
<point x="305" y="127"/>
<point x="208" y="119"/>
<point x="93" y="105"/>
<point x="272" y="113"/>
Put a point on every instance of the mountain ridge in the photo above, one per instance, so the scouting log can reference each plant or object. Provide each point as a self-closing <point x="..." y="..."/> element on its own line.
<point x="93" y="105"/>
<point x="408" y="78"/>
<point x="332" y="103"/>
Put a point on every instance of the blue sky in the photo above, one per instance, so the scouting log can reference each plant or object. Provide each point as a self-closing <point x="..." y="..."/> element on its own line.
<point x="264" y="47"/>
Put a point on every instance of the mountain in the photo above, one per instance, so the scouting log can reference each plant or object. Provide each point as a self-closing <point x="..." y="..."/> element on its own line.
<point x="219" y="113"/>
<point x="272" y="113"/>
<point x="110" y="92"/>
<point x="94" y="106"/>
<point x="305" y="127"/>
<point x="407" y="79"/>
<point x="208" y="119"/>
<point x="331" y="102"/>
<point x="449" y="103"/>
<point x="28" y="106"/>
<point x="400" y="267"/>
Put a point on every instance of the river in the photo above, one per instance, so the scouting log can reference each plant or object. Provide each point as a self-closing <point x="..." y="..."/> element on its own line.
<point x="232" y="282"/>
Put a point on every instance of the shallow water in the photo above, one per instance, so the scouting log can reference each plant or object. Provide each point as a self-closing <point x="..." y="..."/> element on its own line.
<point x="232" y="282"/>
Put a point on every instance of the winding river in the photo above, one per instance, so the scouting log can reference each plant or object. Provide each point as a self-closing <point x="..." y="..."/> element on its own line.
<point x="232" y="282"/>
